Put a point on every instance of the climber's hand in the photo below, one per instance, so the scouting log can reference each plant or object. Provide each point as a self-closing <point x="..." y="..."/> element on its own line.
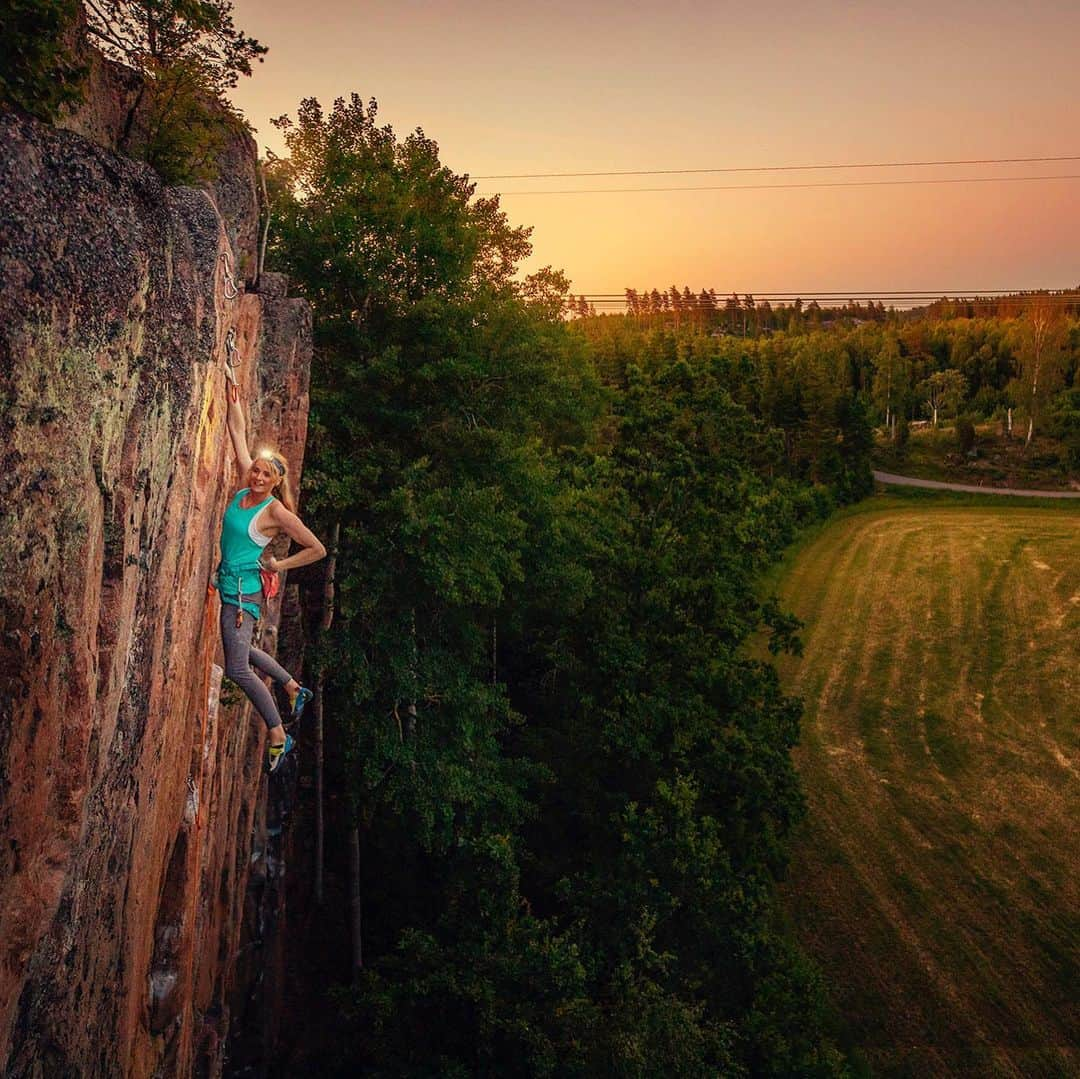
<point x="271" y="563"/>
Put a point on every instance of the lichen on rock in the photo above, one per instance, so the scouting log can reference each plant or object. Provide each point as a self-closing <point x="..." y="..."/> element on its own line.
<point x="128" y="802"/>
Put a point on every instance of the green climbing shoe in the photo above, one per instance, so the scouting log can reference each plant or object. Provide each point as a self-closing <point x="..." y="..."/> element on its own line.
<point x="299" y="703"/>
<point x="276" y="754"/>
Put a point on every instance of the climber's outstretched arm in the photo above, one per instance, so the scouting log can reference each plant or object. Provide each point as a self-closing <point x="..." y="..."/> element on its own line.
<point x="234" y="420"/>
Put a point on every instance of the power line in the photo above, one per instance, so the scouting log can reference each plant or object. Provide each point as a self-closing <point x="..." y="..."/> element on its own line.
<point x="1071" y="295"/>
<point x="779" y="168"/>
<point x="976" y="298"/>
<point x="808" y="297"/>
<point x="789" y="187"/>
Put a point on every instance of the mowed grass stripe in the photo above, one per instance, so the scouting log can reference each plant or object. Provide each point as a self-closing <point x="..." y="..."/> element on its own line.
<point x="936" y="878"/>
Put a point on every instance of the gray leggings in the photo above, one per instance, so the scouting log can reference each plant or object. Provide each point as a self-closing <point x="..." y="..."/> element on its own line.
<point x="240" y="657"/>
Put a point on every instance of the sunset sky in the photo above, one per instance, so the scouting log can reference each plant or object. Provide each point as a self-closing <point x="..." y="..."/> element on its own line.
<point x="560" y="87"/>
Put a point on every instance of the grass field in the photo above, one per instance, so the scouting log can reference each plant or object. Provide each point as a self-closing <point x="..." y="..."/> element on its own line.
<point x="937" y="878"/>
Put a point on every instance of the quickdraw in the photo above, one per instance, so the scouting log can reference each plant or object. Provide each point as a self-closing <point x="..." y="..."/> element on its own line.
<point x="231" y="291"/>
<point x="232" y="358"/>
<point x="232" y="361"/>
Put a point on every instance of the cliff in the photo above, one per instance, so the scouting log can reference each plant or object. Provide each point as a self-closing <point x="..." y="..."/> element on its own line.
<point x="135" y="855"/>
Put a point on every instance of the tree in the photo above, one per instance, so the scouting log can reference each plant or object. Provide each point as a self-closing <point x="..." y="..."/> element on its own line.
<point x="153" y="34"/>
<point x="733" y="309"/>
<point x="189" y="53"/>
<point x="706" y="303"/>
<point x="689" y="303"/>
<point x="437" y="378"/>
<point x="38" y="71"/>
<point x="942" y="392"/>
<point x="1040" y="359"/>
<point x="749" y="308"/>
<point x="965" y="434"/>
<point x="568" y="830"/>
<point x="891" y="380"/>
<point x="676" y="304"/>
<point x="674" y="785"/>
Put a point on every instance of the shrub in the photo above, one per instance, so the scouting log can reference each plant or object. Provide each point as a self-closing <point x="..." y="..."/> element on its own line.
<point x="901" y="437"/>
<point x="988" y="402"/>
<point x="189" y="53"/>
<point x="185" y="127"/>
<point x="965" y="434"/>
<point x="37" y="70"/>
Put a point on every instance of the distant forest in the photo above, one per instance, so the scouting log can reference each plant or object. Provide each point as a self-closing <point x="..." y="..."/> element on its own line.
<point x="743" y="315"/>
<point x="1012" y="358"/>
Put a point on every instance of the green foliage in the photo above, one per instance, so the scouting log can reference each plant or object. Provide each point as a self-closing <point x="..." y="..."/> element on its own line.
<point x="902" y="438"/>
<point x="1064" y="425"/>
<point x="183" y="132"/>
<point x="573" y="787"/>
<point x="942" y="392"/>
<point x="189" y="53"/>
<point x="1042" y="360"/>
<point x="149" y="35"/>
<point x="493" y="990"/>
<point x="38" y="71"/>
<point x="965" y="434"/>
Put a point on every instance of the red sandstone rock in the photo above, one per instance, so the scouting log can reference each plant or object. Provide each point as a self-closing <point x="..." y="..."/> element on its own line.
<point x="131" y="806"/>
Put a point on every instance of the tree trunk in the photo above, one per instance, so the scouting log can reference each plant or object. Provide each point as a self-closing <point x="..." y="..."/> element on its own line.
<point x="265" y="230"/>
<point x="151" y="30"/>
<point x="320" y="821"/>
<point x="410" y="711"/>
<point x="327" y="621"/>
<point x="1034" y="399"/>
<point x="123" y="143"/>
<point x="355" y="910"/>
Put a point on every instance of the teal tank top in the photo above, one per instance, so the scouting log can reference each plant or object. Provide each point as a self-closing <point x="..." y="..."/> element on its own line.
<point x="241" y="546"/>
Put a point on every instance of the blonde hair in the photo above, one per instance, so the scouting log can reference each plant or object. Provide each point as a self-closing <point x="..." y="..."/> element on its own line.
<point x="283" y="488"/>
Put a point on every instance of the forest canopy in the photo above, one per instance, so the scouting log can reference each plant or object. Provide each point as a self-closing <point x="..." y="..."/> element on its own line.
<point x="569" y="785"/>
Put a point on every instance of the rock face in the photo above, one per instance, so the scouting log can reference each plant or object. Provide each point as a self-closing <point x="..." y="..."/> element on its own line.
<point x="133" y="820"/>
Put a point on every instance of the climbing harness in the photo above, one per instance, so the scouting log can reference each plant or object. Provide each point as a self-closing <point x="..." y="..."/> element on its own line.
<point x="238" y="571"/>
<point x="230" y="290"/>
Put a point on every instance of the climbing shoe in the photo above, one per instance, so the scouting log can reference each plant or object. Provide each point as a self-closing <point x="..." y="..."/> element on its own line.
<point x="275" y="754"/>
<point x="300" y="702"/>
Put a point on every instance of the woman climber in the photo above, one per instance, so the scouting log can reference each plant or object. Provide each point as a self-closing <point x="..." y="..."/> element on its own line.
<point x="253" y="518"/>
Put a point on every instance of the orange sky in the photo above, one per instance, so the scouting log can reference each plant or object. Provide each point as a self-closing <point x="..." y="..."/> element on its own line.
<point x="514" y="87"/>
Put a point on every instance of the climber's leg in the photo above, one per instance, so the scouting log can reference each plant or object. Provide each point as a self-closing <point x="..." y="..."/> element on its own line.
<point x="236" y="642"/>
<point x="269" y="666"/>
<point x="298" y="695"/>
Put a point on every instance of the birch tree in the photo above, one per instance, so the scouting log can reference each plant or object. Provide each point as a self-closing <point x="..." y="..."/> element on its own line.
<point x="942" y="392"/>
<point x="1040" y="360"/>
<point x="890" y="384"/>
